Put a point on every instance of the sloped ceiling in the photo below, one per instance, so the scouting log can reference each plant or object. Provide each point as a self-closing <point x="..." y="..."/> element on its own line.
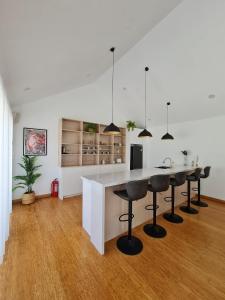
<point x="50" y="46"/>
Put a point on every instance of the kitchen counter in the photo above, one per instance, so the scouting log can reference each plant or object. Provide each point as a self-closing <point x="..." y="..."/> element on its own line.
<point x="115" y="178"/>
<point x="101" y="208"/>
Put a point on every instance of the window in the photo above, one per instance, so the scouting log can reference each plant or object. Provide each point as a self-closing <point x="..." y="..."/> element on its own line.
<point x="6" y="123"/>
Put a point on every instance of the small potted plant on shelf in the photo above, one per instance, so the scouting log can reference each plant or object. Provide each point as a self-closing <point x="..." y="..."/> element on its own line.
<point x="26" y="181"/>
<point x="131" y="125"/>
<point x="91" y="127"/>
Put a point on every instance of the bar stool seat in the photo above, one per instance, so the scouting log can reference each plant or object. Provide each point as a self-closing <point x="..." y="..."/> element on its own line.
<point x="191" y="177"/>
<point x="158" y="183"/>
<point x="135" y="190"/>
<point x="122" y="194"/>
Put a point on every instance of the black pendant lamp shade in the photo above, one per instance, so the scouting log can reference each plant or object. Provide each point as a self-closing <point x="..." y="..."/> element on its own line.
<point x="145" y="132"/>
<point x="167" y="136"/>
<point x="112" y="128"/>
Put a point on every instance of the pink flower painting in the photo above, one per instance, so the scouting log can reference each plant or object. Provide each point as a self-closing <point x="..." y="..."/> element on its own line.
<point x="34" y="141"/>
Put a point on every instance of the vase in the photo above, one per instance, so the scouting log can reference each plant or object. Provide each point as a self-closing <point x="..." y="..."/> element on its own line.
<point x="185" y="161"/>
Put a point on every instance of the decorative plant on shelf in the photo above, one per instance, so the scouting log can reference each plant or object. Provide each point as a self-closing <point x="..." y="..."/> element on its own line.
<point x="26" y="181"/>
<point x="91" y="127"/>
<point x="131" y="125"/>
<point x="185" y="153"/>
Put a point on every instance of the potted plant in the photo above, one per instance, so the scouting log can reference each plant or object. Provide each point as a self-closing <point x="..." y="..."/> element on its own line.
<point x="26" y="181"/>
<point x="91" y="127"/>
<point x="131" y="125"/>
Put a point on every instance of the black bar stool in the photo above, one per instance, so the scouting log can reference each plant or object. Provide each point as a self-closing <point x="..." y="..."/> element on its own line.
<point x="190" y="178"/>
<point x="158" y="183"/>
<point x="135" y="190"/>
<point x="198" y="202"/>
<point x="178" y="180"/>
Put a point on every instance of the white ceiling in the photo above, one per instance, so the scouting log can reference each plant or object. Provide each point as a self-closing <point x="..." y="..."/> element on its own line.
<point x="49" y="46"/>
<point x="185" y="54"/>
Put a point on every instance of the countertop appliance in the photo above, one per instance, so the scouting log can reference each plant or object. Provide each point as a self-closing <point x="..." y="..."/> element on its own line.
<point x="136" y="156"/>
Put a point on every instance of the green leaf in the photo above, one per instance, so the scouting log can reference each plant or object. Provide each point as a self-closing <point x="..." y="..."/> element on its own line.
<point x="18" y="187"/>
<point x="21" y="183"/>
<point x="20" y="177"/>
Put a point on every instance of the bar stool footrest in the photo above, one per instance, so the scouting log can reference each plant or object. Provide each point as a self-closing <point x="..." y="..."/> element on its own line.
<point x="195" y="189"/>
<point x="184" y="193"/>
<point x="126" y="220"/>
<point x="150" y="207"/>
<point x="167" y="199"/>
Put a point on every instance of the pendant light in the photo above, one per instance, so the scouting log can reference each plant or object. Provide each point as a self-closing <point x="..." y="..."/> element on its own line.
<point x="145" y="132"/>
<point x="112" y="128"/>
<point x="167" y="136"/>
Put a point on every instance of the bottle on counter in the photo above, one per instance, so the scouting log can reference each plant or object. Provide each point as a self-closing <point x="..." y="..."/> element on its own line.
<point x="197" y="161"/>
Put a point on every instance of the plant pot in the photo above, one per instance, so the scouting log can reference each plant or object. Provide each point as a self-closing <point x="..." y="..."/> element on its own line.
<point x="28" y="198"/>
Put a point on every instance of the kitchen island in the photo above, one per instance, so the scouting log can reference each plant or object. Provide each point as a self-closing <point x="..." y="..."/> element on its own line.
<point x="101" y="208"/>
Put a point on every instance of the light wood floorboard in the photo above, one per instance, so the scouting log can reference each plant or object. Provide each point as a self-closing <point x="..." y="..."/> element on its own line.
<point x="49" y="256"/>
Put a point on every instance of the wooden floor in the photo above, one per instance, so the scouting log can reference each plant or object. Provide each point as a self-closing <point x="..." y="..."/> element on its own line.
<point x="49" y="256"/>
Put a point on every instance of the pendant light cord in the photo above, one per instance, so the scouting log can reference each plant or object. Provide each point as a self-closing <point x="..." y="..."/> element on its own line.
<point x="167" y="120"/>
<point x="112" y="49"/>
<point x="167" y="115"/>
<point x="146" y="70"/>
<point x="145" y="99"/>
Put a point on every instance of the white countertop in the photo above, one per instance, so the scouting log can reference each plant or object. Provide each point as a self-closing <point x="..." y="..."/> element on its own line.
<point x="116" y="178"/>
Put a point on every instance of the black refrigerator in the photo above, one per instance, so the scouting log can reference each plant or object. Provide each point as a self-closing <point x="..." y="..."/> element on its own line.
<point x="136" y="156"/>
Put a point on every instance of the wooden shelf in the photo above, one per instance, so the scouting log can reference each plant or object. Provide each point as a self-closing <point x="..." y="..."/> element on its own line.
<point x="89" y="132"/>
<point x="70" y="153"/>
<point x="69" y="165"/>
<point x="69" y="130"/>
<point x="75" y="137"/>
<point x="107" y="134"/>
<point x="71" y="144"/>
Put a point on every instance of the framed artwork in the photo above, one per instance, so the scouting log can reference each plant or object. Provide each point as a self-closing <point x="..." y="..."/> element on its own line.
<point x="34" y="141"/>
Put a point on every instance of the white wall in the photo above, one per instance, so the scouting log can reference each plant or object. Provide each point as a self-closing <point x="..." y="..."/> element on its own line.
<point x="5" y="168"/>
<point x="86" y="103"/>
<point x="46" y="113"/>
<point x="204" y="138"/>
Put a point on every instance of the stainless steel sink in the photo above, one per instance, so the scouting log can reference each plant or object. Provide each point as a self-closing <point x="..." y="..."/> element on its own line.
<point x="163" y="167"/>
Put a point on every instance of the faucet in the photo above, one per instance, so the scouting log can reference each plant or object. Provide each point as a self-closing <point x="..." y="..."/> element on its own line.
<point x="168" y="158"/>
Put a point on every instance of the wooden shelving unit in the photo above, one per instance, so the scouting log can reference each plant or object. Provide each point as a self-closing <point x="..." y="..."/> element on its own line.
<point x="80" y="147"/>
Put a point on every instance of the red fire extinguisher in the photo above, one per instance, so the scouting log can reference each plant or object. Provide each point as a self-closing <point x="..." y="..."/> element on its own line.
<point x="55" y="188"/>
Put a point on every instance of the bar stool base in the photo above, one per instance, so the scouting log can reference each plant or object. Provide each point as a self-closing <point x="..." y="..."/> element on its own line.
<point x="199" y="203"/>
<point x="189" y="210"/>
<point x="131" y="246"/>
<point x="173" y="218"/>
<point x="156" y="231"/>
